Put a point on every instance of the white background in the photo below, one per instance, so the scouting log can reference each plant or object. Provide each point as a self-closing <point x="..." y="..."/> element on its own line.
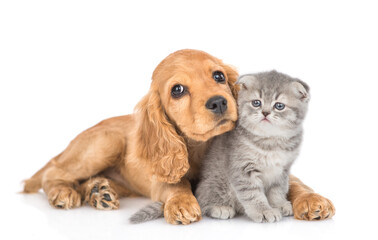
<point x="66" y="65"/>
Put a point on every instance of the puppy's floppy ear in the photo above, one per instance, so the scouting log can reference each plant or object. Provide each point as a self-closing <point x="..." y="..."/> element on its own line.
<point x="232" y="76"/>
<point x="158" y="141"/>
<point x="301" y="90"/>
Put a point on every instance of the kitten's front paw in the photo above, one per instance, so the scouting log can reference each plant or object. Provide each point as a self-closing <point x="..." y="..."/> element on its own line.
<point x="272" y="215"/>
<point x="222" y="212"/>
<point x="269" y="215"/>
<point x="286" y="209"/>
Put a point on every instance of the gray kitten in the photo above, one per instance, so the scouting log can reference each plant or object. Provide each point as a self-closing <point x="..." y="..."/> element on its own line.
<point x="246" y="171"/>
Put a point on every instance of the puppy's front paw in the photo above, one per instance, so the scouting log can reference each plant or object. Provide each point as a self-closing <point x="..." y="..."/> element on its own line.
<point x="312" y="206"/>
<point x="64" y="197"/>
<point x="182" y="209"/>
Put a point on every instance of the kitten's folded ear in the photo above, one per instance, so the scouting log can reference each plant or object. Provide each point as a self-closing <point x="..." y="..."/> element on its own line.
<point x="301" y="90"/>
<point x="246" y="81"/>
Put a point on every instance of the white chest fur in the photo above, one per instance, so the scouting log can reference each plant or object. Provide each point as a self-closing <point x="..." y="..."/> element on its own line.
<point x="272" y="164"/>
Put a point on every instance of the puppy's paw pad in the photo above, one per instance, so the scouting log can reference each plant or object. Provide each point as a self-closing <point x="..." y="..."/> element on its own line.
<point x="102" y="196"/>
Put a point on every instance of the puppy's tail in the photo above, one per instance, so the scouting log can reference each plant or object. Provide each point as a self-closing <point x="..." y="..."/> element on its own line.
<point x="150" y="212"/>
<point x="33" y="184"/>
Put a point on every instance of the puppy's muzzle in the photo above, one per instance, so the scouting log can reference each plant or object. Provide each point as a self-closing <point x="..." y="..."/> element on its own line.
<point x="217" y="104"/>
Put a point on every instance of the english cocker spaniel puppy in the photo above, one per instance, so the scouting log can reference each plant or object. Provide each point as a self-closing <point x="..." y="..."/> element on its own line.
<point x="156" y="151"/>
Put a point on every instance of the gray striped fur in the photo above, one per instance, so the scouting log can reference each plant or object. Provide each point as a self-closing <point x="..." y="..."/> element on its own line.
<point x="246" y="171"/>
<point x="150" y="212"/>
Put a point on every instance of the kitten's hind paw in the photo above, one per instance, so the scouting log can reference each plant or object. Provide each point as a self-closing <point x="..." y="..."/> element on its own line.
<point x="221" y="212"/>
<point x="286" y="209"/>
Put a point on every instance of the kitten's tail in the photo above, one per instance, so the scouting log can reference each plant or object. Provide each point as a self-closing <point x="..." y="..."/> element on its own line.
<point x="150" y="212"/>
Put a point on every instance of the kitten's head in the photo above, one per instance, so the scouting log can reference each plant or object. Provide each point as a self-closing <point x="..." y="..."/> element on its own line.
<point x="272" y="103"/>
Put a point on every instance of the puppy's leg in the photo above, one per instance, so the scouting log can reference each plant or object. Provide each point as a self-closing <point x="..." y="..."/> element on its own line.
<point x="33" y="184"/>
<point x="180" y="205"/>
<point x="308" y="205"/>
<point x="103" y="193"/>
<point x="61" y="193"/>
<point x="90" y="153"/>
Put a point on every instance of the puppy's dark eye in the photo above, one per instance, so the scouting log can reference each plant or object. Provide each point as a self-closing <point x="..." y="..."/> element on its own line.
<point x="279" y="106"/>
<point x="256" y="103"/>
<point x="219" y="77"/>
<point x="177" y="91"/>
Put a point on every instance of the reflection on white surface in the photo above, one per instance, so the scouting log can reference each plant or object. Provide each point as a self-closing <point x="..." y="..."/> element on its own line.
<point x="35" y="219"/>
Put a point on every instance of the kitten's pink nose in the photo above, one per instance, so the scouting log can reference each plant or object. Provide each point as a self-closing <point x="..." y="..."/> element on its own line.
<point x="265" y="113"/>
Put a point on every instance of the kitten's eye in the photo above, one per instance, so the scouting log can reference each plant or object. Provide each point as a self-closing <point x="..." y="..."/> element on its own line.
<point x="219" y="77"/>
<point x="256" y="103"/>
<point x="177" y="91"/>
<point x="279" y="106"/>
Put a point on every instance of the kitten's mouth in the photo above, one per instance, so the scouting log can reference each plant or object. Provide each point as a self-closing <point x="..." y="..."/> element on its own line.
<point x="265" y="120"/>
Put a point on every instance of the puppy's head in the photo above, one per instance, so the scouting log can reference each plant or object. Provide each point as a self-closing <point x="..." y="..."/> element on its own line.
<point x="192" y="95"/>
<point x="197" y="92"/>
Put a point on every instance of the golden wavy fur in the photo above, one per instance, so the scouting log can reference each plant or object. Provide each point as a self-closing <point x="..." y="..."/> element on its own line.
<point x="156" y="151"/>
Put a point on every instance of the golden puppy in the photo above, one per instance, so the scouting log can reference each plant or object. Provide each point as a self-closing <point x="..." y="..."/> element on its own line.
<point x="157" y="151"/>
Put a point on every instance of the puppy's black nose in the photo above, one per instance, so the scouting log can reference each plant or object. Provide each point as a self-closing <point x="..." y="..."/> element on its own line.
<point x="217" y="104"/>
